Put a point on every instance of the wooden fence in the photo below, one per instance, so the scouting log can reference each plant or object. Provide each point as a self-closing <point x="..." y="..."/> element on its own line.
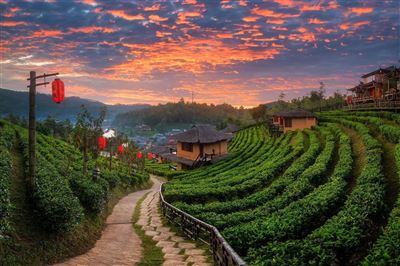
<point x="378" y="105"/>
<point x="222" y="252"/>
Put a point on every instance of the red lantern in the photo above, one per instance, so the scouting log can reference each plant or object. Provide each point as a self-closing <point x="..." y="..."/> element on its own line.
<point x="373" y="92"/>
<point x="379" y="93"/>
<point x="350" y="99"/>
<point x="150" y="156"/>
<point x="120" y="149"/>
<point x="139" y="155"/>
<point x="102" y="143"/>
<point x="57" y="90"/>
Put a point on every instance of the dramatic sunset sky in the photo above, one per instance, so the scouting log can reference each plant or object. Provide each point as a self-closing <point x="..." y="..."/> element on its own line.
<point x="242" y="52"/>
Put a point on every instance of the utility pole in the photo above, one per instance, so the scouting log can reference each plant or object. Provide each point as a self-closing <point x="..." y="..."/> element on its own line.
<point x="32" y="124"/>
<point x="32" y="130"/>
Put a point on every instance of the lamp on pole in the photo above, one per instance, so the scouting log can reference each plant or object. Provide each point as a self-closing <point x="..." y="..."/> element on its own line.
<point x="32" y="122"/>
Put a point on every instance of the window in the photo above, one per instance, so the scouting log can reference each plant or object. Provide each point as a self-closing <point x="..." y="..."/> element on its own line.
<point x="275" y="119"/>
<point x="187" y="146"/>
<point x="288" y="122"/>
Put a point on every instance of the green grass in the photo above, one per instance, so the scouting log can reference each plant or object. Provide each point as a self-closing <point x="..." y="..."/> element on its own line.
<point x="152" y="255"/>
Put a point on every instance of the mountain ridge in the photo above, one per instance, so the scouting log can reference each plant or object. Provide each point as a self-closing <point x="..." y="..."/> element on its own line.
<point x="16" y="103"/>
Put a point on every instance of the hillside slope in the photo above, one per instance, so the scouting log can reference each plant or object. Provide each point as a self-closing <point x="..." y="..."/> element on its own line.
<point x="326" y="196"/>
<point x="64" y="213"/>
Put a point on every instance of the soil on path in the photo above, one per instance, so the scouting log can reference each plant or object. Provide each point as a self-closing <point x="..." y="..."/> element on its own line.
<point x="119" y="244"/>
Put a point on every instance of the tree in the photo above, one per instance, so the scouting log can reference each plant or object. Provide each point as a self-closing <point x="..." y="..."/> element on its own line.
<point x="260" y="113"/>
<point x="281" y="97"/>
<point x="86" y="132"/>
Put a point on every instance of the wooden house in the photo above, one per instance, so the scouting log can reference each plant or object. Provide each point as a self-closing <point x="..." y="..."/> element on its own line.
<point x="199" y="145"/>
<point x="231" y="130"/>
<point x="379" y="85"/>
<point x="294" y="120"/>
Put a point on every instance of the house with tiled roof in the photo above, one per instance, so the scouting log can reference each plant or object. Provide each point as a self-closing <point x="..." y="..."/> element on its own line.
<point x="199" y="145"/>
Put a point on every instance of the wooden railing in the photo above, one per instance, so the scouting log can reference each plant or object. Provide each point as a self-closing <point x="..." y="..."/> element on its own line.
<point x="223" y="253"/>
<point x="378" y="105"/>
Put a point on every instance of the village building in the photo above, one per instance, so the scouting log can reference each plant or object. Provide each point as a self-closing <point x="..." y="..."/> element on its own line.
<point x="294" y="120"/>
<point x="199" y="145"/>
<point x="231" y="130"/>
<point x="162" y="152"/>
<point x="382" y="84"/>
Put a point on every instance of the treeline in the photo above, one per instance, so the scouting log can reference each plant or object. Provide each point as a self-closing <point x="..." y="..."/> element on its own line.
<point x="315" y="101"/>
<point x="50" y="126"/>
<point x="163" y="115"/>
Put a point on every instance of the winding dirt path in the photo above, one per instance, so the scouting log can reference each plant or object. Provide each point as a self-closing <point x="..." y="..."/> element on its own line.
<point x="119" y="244"/>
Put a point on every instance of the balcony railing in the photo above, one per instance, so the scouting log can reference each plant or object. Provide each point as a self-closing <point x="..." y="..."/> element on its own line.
<point x="378" y="105"/>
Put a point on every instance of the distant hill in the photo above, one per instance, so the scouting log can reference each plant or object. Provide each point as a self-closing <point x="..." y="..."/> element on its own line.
<point x="16" y="103"/>
<point x="164" y="116"/>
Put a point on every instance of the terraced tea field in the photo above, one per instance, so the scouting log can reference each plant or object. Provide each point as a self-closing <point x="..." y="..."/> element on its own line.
<point x="325" y="196"/>
<point x="63" y="215"/>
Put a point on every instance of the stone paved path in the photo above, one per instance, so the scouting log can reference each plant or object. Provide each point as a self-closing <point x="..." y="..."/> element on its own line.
<point x="119" y="244"/>
<point x="177" y="251"/>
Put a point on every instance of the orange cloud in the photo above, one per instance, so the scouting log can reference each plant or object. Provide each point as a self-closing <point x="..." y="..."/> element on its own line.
<point x="12" y="23"/>
<point x="91" y="29"/>
<point x="302" y="30"/>
<point x="90" y="2"/>
<point x="152" y="8"/>
<point x="242" y="3"/>
<point x="124" y="15"/>
<point x="361" y="10"/>
<point x="224" y="35"/>
<point x="289" y="3"/>
<point x="162" y="34"/>
<point x="310" y="8"/>
<point x="325" y="30"/>
<point x="47" y="33"/>
<point x="271" y="13"/>
<point x="250" y="19"/>
<point x="346" y="26"/>
<point x="157" y="18"/>
<point x="316" y="21"/>
<point x="193" y="55"/>
<point x="305" y="36"/>
<point x="189" y="2"/>
<point x="11" y="12"/>
<point x="182" y="16"/>
<point x="275" y="21"/>
<point x="280" y="28"/>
